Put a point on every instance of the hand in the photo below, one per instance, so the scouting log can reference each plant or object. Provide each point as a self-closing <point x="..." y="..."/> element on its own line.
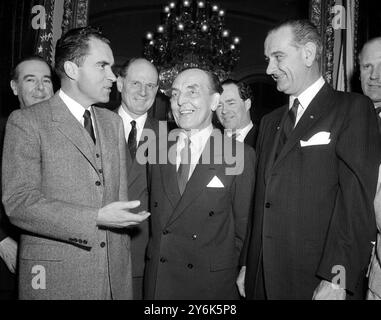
<point x="328" y="291"/>
<point x="116" y="215"/>
<point x="241" y="281"/>
<point x="8" y="252"/>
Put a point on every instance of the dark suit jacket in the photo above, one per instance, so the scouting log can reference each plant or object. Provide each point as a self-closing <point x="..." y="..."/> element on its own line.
<point x="314" y="204"/>
<point x="138" y="190"/>
<point x="251" y="137"/>
<point x="197" y="237"/>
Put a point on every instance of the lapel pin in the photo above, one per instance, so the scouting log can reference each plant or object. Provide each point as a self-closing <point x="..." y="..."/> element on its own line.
<point x="277" y="128"/>
<point x="311" y="117"/>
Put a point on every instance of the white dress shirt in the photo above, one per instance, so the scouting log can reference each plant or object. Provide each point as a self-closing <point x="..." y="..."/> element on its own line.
<point x="140" y="122"/>
<point x="198" y="141"/>
<point x="76" y="109"/>
<point x="241" y="133"/>
<point x="306" y="97"/>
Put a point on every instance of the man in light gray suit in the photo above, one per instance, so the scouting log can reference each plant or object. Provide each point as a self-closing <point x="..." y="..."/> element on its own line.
<point x="65" y="181"/>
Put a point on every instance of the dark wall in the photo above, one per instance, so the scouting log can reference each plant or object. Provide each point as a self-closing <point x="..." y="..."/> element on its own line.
<point x="126" y="24"/>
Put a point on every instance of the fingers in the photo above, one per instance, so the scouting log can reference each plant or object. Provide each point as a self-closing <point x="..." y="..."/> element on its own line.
<point x="121" y="205"/>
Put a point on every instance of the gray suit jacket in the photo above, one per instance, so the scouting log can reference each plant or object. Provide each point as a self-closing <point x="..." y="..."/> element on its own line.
<point x="54" y="182"/>
<point x="375" y="265"/>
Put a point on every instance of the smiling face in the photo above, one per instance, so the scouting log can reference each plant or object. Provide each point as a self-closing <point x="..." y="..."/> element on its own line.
<point x="138" y="88"/>
<point x="286" y="62"/>
<point x="232" y="111"/>
<point x="192" y="100"/>
<point x="94" y="77"/>
<point x="33" y="83"/>
<point x="370" y="71"/>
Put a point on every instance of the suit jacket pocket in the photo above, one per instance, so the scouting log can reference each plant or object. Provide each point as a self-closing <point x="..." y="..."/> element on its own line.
<point x="41" y="252"/>
<point x="223" y="262"/>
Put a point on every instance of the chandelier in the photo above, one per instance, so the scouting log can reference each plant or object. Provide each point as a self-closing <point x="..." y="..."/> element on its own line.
<point x="192" y="34"/>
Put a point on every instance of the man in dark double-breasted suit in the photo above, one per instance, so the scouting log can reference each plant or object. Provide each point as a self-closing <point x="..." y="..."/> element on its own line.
<point x="313" y="221"/>
<point x="199" y="207"/>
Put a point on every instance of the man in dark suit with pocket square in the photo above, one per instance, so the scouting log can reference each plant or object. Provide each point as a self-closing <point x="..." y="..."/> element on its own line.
<point x="313" y="222"/>
<point x="200" y="200"/>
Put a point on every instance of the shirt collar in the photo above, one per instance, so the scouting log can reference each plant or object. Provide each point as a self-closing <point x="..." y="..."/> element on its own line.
<point x="140" y="121"/>
<point x="75" y="108"/>
<point x="307" y="95"/>
<point x="198" y="138"/>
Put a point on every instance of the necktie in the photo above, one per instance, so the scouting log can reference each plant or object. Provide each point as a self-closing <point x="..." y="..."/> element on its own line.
<point x="183" y="171"/>
<point x="88" y="124"/>
<point x="378" y="111"/>
<point x="288" y="125"/>
<point x="132" y="139"/>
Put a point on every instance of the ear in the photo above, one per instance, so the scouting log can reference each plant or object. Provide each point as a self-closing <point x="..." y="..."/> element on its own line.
<point x="71" y="70"/>
<point x="215" y="101"/>
<point x="247" y="104"/>
<point x="14" y="87"/>
<point x="119" y="84"/>
<point x="309" y="53"/>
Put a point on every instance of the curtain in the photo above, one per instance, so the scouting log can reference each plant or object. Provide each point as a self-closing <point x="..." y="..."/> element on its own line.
<point x="337" y="21"/>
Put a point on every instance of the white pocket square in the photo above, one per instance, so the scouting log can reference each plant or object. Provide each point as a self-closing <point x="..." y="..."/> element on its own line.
<point x="319" y="138"/>
<point x="215" y="183"/>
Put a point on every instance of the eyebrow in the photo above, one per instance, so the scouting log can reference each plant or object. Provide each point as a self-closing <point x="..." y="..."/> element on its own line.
<point x="230" y="100"/>
<point x="105" y="63"/>
<point x="33" y="75"/>
<point x="193" y="86"/>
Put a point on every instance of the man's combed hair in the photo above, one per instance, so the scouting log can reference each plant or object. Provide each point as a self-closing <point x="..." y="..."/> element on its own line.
<point x="215" y="84"/>
<point x="244" y="89"/>
<point x="304" y="31"/>
<point x="74" y="46"/>
<point x="15" y="71"/>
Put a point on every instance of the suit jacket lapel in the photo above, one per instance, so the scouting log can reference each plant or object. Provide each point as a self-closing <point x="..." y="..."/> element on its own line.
<point x="318" y="106"/>
<point x="197" y="183"/>
<point x="71" y="128"/>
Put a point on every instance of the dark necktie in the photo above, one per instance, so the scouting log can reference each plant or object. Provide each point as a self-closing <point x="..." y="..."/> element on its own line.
<point x="288" y="126"/>
<point x="132" y="139"/>
<point x="183" y="171"/>
<point x="88" y="124"/>
<point x="378" y="111"/>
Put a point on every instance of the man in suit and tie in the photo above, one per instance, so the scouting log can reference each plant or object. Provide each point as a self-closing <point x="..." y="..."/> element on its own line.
<point x="370" y="73"/>
<point x="31" y="82"/>
<point x="65" y="181"/>
<point x="233" y="112"/>
<point x="313" y="221"/>
<point x="138" y="85"/>
<point x="199" y="207"/>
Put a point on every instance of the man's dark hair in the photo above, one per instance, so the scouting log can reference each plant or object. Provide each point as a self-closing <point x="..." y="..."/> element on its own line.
<point x="304" y="31"/>
<point x="244" y="89"/>
<point x="15" y="70"/>
<point x="74" y="46"/>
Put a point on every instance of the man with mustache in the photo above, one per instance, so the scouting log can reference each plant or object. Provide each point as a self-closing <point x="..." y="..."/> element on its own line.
<point x="313" y="222"/>
<point x="233" y="112"/>
<point x="31" y="83"/>
<point x="65" y="181"/>
<point x="199" y="206"/>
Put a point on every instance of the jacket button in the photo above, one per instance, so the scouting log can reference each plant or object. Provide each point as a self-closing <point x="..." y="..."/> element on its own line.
<point x="80" y="241"/>
<point x="100" y="171"/>
<point x="98" y="183"/>
<point x="85" y="242"/>
<point x="211" y="213"/>
<point x="165" y="232"/>
<point x="194" y="237"/>
<point x="102" y="244"/>
<point x="267" y="205"/>
<point x="190" y="266"/>
<point x="155" y="204"/>
<point x="97" y="155"/>
<point x="162" y="260"/>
